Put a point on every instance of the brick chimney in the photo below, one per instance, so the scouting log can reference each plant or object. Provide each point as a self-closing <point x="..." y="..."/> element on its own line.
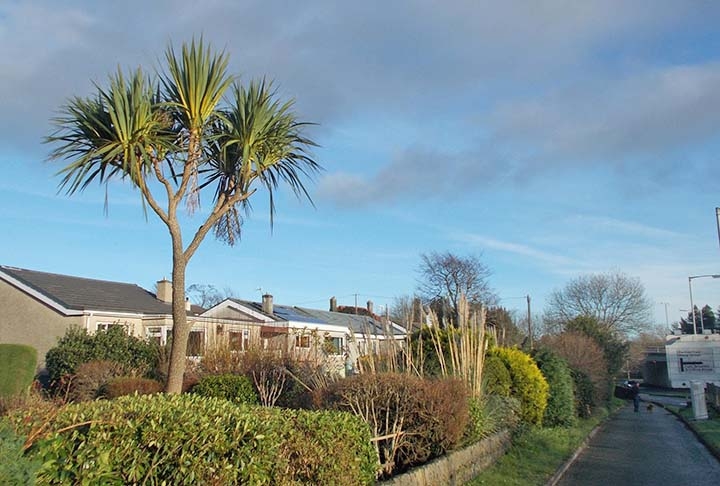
<point x="267" y="303"/>
<point x="333" y="304"/>
<point x="164" y="291"/>
<point x="370" y="307"/>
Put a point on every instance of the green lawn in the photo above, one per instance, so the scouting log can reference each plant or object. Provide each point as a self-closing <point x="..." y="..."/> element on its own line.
<point x="708" y="429"/>
<point x="536" y="454"/>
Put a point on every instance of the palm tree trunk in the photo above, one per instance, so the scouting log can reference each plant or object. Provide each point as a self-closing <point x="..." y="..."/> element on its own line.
<point x="181" y="326"/>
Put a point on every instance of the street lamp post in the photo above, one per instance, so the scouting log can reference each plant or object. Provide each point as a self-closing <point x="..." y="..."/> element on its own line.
<point x="692" y="305"/>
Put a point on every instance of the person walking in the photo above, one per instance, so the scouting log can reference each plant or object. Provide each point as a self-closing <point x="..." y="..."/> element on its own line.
<point x="635" y="387"/>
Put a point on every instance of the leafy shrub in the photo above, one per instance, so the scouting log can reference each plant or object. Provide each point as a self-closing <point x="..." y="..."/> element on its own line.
<point x="77" y="346"/>
<point x="614" y="348"/>
<point x="15" y="467"/>
<point x="582" y="353"/>
<point x="129" y="385"/>
<point x="560" y="409"/>
<point x="490" y="414"/>
<point x="90" y="377"/>
<point x="189" y="439"/>
<point x="413" y="419"/>
<point x="584" y="393"/>
<point x="236" y="388"/>
<point x="528" y="384"/>
<point x="496" y="377"/>
<point x="17" y="369"/>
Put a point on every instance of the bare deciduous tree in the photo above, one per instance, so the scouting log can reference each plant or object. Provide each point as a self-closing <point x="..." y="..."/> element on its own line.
<point x="445" y="277"/>
<point x="408" y="311"/>
<point x="617" y="301"/>
<point x="207" y="296"/>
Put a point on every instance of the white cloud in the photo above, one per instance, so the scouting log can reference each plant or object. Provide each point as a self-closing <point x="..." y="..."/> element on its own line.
<point x="611" y="226"/>
<point x="645" y="114"/>
<point x="552" y="260"/>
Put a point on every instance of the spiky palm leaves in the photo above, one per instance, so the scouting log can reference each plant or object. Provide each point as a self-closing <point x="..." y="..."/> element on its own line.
<point x="182" y="131"/>
<point x="258" y="139"/>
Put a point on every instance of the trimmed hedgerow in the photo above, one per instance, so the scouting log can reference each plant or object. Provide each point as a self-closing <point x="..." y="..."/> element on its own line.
<point x="17" y="369"/>
<point x="236" y="388"/>
<point x="560" y="409"/>
<point x="412" y="419"/>
<point x="528" y="383"/>
<point x="189" y="439"/>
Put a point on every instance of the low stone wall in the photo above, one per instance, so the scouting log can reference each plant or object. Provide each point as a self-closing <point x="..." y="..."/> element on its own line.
<point x="458" y="467"/>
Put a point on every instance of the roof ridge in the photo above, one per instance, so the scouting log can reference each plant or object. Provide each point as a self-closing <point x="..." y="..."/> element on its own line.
<point x="3" y="267"/>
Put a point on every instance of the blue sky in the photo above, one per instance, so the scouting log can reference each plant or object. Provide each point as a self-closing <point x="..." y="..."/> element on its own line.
<point x="554" y="138"/>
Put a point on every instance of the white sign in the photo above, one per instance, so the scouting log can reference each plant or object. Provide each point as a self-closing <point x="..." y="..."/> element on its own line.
<point x="695" y="361"/>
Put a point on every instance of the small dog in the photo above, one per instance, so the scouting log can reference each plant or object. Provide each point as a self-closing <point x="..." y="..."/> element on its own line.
<point x="650" y="407"/>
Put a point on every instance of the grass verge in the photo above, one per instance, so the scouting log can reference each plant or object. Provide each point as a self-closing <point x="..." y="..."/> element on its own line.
<point x="708" y="430"/>
<point x="537" y="453"/>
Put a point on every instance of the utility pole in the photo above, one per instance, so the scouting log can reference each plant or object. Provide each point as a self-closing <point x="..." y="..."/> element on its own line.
<point x="667" y="321"/>
<point x="529" y="319"/>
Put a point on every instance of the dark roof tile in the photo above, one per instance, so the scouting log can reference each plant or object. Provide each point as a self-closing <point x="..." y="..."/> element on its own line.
<point x="79" y="293"/>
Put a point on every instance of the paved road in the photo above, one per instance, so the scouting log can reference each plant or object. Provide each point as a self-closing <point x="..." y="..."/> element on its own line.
<point x="645" y="448"/>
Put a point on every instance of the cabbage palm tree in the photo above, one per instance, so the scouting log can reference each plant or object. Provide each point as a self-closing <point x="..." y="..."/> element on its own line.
<point x="189" y="130"/>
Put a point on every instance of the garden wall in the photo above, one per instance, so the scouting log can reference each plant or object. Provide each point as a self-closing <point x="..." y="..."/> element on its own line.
<point x="458" y="467"/>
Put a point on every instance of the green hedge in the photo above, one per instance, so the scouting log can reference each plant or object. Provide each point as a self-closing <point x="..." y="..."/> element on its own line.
<point x="17" y="369"/>
<point x="188" y="439"/>
<point x="236" y="388"/>
<point x="528" y="383"/>
<point x="560" y="409"/>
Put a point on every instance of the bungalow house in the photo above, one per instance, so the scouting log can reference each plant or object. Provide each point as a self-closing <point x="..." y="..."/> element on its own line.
<point x="36" y="308"/>
<point x="311" y="333"/>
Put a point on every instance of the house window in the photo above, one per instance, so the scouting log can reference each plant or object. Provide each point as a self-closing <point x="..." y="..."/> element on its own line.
<point x="239" y="340"/>
<point x="196" y="343"/>
<point x="334" y="345"/>
<point x="302" y="341"/>
<point x="105" y="326"/>
<point x="160" y="335"/>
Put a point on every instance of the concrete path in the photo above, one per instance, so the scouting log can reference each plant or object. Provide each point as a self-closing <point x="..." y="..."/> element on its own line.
<point x="645" y="448"/>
